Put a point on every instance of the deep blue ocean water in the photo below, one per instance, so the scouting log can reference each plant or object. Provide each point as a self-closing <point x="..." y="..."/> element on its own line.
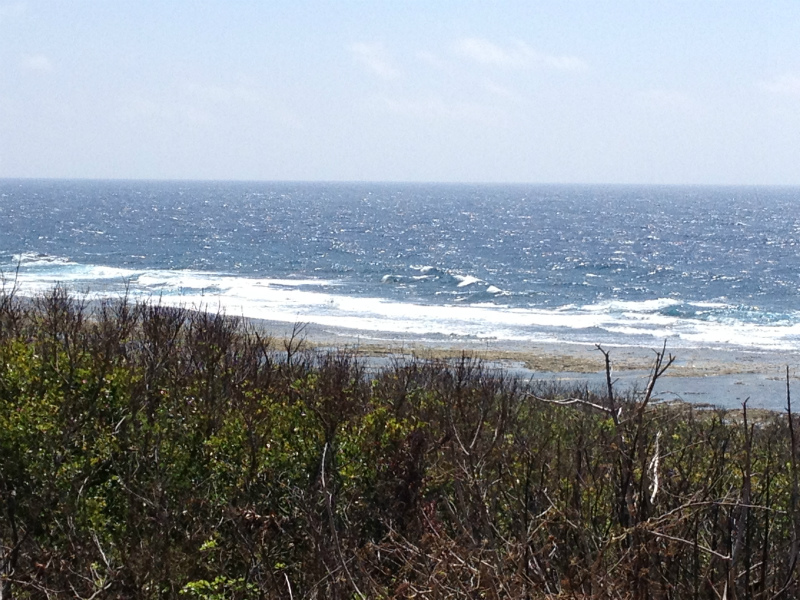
<point x="700" y="266"/>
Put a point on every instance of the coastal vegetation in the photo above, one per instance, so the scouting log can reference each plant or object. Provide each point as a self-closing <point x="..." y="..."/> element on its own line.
<point x="155" y="452"/>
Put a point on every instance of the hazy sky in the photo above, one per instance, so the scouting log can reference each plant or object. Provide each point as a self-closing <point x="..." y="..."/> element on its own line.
<point x="557" y="91"/>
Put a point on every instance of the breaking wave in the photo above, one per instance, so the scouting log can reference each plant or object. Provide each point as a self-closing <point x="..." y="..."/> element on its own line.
<point x="326" y="303"/>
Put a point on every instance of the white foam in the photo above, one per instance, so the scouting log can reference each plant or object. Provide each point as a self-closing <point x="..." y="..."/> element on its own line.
<point x="319" y="301"/>
<point x="709" y="304"/>
<point x="33" y="259"/>
<point x="422" y="269"/>
<point x="631" y="306"/>
<point x="465" y="280"/>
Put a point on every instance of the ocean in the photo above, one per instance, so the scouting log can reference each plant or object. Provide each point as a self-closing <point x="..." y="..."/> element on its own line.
<point x="705" y="267"/>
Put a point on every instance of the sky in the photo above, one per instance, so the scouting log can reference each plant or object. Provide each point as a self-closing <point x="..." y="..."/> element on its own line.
<point x="700" y="92"/>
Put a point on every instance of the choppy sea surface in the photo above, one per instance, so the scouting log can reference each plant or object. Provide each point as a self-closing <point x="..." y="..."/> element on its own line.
<point x="711" y="267"/>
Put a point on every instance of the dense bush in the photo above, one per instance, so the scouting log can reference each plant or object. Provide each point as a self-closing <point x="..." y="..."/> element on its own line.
<point x="150" y="452"/>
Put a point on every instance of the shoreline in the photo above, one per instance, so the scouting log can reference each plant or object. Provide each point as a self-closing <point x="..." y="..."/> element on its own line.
<point x="701" y="376"/>
<point x="715" y="377"/>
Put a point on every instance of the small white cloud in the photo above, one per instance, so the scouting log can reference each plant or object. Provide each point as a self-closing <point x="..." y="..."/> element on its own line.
<point x="785" y="85"/>
<point x="487" y="53"/>
<point x="517" y="55"/>
<point x="36" y="62"/>
<point x="374" y="58"/>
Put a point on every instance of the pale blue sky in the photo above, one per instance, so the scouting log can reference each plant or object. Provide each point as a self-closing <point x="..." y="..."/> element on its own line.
<point x="557" y="91"/>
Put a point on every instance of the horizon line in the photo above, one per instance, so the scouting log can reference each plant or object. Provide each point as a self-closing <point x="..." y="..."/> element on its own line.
<point x="392" y="182"/>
